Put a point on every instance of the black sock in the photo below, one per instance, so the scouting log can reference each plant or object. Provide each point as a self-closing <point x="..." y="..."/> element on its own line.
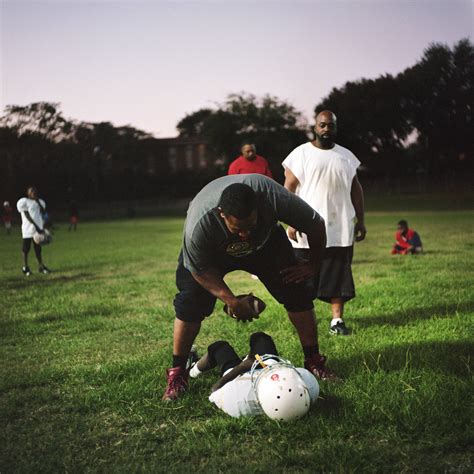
<point x="311" y="350"/>
<point x="179" y="361"/>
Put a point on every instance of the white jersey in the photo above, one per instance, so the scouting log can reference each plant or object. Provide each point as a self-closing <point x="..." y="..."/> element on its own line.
<point x="325" y="180"/>
<point x="34" y="210"/>
<point x="237" y="397"/>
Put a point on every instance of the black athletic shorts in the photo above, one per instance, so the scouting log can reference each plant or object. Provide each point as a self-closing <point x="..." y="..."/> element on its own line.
<point x="335" y="276"/>
<point x="193" y="303"/>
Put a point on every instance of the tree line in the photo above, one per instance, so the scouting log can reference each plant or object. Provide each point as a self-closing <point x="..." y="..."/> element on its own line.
<point x="418" y="122"/>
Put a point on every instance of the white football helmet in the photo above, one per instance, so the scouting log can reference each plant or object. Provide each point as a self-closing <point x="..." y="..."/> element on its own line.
<point x="6" y="204"/>
<point x="43" y="239"/>
<point x="281" y="391"/>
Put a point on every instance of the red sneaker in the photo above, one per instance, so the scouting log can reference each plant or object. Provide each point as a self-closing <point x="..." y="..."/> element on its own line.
<point x="177" y="383"/>
<point x="316" y="364"/>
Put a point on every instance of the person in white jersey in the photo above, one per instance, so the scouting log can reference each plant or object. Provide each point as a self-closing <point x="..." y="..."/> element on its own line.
<point x="31" y="209"/>
<point x="324" y="175"/>
<point x="241" y="391"/>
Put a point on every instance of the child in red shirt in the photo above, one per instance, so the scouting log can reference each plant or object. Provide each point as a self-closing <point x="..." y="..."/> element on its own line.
<point x="407" y="240"/>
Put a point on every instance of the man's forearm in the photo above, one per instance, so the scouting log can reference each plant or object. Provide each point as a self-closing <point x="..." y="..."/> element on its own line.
<point x="212" y="281"/>
<point x="27" y="215"/>
<point x="357" y="198"/>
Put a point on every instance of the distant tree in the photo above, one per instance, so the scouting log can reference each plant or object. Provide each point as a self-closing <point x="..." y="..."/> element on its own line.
<point x="44" y="118"/>
<point x="275" y="126"/>
<point x="427" y="108"/>
<point x="39" y="145"/>
<point x="438" y="99"/>
<point x="192" y="124"/>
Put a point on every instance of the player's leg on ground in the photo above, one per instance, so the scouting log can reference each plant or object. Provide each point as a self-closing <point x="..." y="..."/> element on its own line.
<point x="261" y="343"/>
<point x="219" y="354"/>
<point x="223" y="355"/>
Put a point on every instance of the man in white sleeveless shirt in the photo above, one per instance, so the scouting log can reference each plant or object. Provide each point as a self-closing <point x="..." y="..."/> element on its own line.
<point x="32" y="209"/>
<point x="324" y="175"/>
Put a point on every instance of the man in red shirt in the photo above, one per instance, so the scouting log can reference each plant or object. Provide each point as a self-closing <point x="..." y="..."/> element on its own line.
<point x="407" y="240"/>
<point x="250" y="162"/>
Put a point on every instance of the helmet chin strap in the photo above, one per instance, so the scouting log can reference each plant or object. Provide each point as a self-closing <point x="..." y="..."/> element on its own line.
<point x="260" y="361"/>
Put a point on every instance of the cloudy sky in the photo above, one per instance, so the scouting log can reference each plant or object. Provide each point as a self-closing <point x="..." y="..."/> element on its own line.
<point x="148" y="63"/>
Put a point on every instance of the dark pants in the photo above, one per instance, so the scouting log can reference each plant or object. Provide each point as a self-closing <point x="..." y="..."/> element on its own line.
<point x="334" y="279"/>
<point x="223" y="355"/>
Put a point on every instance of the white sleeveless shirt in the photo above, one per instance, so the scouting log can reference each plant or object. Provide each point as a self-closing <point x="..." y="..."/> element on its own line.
<point x="325" y="180"/>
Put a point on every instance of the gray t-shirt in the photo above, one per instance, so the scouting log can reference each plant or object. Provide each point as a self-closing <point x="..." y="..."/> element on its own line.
<point x="206" y="237"/>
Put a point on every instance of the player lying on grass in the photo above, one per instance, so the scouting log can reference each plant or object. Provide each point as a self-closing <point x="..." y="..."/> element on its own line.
<point x="261" y="383"/>
<point x="233" y="224"/>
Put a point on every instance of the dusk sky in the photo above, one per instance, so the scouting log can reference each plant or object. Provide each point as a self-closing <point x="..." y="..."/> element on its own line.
<point x="148" y="63"/>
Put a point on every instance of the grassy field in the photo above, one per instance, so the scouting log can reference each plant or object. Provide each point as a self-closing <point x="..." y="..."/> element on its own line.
<point x="84" y="352"/>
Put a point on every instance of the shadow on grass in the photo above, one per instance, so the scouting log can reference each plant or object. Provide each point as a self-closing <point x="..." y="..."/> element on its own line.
<point x="409" y="315"/>
<point x="452" y="358"/>
<point x="46" y="280"/>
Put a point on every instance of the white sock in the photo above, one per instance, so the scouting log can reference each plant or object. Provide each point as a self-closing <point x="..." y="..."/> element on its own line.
<point x="194" y="372"/>
<point x="335" y="321"/>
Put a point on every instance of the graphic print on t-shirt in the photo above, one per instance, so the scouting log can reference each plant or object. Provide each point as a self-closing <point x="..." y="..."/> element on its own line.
<point x="240" y="248"/>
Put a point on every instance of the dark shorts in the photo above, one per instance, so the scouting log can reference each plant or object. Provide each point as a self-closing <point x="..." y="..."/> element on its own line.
<point x="27" y="245"/>
<point x="335" y="277"/>
<point x="193" y="303"/>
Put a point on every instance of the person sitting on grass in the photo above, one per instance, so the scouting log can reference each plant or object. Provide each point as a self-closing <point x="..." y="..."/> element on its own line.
<point x="261" y="383"/>
<point x="407" y="240"/>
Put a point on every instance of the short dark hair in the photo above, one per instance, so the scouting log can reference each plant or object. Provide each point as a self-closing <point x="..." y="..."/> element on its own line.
<point x="238" y="200"/>
<point x="403" y="223"/>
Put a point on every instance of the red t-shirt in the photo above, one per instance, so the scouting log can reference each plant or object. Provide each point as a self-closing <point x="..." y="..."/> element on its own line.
<point x="243" y="166"/>
<point x="403" y="240"/>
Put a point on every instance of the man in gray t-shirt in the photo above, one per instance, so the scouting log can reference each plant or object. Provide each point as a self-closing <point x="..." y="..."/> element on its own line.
<point x="233" y="224"/>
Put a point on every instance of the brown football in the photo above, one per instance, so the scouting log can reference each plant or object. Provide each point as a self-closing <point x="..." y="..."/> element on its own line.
<point x="257" y="305"/>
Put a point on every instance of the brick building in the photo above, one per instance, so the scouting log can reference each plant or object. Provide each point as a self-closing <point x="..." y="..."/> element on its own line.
<point x="180" y="154"/>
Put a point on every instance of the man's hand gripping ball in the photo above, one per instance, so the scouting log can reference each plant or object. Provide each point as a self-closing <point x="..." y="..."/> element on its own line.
<point x="247" y="308"/>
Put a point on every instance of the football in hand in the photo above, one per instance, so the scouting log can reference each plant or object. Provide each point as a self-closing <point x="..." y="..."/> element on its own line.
<point x="254" y="306"/>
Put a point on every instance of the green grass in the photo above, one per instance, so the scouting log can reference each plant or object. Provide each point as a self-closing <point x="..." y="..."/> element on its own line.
<point x="84" y="352"/>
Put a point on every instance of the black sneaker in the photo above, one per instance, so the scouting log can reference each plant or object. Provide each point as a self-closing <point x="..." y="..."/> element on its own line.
<point x="26" y="271"/>
<point x="339" y="329"/>
<point x="44" y="269"/>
